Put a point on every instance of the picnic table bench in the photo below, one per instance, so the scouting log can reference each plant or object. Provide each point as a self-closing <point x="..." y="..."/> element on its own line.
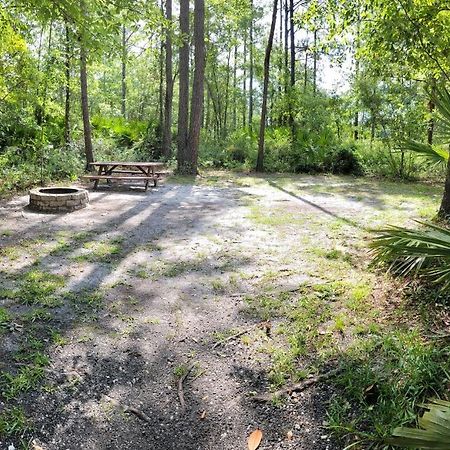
<point x="126" y="171"/>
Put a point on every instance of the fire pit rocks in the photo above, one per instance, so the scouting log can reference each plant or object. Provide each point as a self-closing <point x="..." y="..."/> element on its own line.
<point x="58" y="199"/>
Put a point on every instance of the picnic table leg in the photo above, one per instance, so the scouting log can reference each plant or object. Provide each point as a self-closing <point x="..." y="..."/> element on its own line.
<point x="146" y="181"/>
<point x="100" y="169"/>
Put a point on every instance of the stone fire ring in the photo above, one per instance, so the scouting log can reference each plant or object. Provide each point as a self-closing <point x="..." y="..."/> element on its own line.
<point x="58" y="199"/>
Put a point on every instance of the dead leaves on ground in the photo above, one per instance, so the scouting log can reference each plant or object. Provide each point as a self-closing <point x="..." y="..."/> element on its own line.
<point x="254" y="439"/>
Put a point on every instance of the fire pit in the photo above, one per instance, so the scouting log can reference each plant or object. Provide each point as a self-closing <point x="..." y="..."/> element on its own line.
<point x="58" y="199"/>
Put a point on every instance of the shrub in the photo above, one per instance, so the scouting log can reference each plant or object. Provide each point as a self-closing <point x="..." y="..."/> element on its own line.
<point x="343" y="161"/>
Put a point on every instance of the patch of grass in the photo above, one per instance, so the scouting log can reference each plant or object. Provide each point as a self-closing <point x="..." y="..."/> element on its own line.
<point x="266" y="307"/>
<point x="27" y="378"/>
<point x="11" y="253"/>
<point x="383" y="381"/>
<point x="36" y="314"/>
<point x="85" y="300"/>
<point x="37" y="288"/>
<point x="13" y="422"/>
<point x="62" y="246"/>
<point x="5" y="319"/>
<point x="173" y="269"/>
<point x="357" y="297"/>
<point x="274" y="217"/>
<point x="101" y="251"/>
<point x="58" y="339"/>
<point x="217" y="285"/>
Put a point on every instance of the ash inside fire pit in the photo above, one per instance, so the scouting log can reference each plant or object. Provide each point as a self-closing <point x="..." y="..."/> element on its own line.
<point x="58" y="199"/>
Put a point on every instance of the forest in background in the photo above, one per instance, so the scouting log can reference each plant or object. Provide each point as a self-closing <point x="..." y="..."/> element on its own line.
<point x="133" y="82"/>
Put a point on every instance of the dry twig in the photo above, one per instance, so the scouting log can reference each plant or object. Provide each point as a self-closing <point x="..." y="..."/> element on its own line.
<point x="265" y="325"/>
<point x="297" y="387"/>
<point x="180" y="384"/>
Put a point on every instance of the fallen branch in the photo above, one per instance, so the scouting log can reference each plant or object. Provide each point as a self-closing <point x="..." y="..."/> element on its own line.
<point x="128" y="409"/>
<point x="180" y="385"/>
<point x="137" y="413"/>
<point x="301" y="386"/>
<point x="265" y="325"/>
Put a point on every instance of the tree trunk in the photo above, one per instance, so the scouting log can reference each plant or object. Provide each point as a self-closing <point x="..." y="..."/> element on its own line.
<point x="292" y="69"/>
<point x="84" y="95"/>
<point x="227" y="96"/>
<point x="305" y="79"/>
<point x="356" y="118"/>
<point x="167" y="129"/>
<point x="244" y="85"/>
<point x="286" y="44"/>
<point x="262" y="126"/>
<point x="123" y="105"/>
<point x="250" y="87"/>
<point x="67" y="136"/>
<point x="444" y="210"/>
<point x="431" y="108"/>
<point x="183" y="99"/>
<point x="235" y="87"/>
<point x="315" y="64"/>
<point x="197" y="87"/>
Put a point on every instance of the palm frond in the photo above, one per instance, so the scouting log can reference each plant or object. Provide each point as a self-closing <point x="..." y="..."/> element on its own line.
<point x="442" y="101"/>
<point x="434" y="154"/>
<point x="415" y="252"/>
<point x="434" y="431"/>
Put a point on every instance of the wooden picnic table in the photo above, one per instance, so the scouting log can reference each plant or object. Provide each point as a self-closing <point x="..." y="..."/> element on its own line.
<point x="126" y="171"/>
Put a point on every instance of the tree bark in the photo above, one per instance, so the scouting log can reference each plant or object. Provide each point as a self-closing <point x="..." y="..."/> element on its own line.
<point x="167" y="129"/>
<point x="444" y="210"/>
<point x="197" y="87"/>
<point x="315" y="64"/>
<point x="250" y="87"/>
<point x="235" y="87"/>
<point x="292" y="70"/>
<point x="262" y="126"/>
<point x="244" y="85"/>
<point x="123" y="105"/>
<point x="67" y="136"/>
<point x="183" y="99"/>
<point x="431" y="108"/>
<point x="356" y="118"/>
<point x="84" y="95"/>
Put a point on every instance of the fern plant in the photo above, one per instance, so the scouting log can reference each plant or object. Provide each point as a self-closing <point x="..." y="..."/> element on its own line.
<point x="434" y="431"/>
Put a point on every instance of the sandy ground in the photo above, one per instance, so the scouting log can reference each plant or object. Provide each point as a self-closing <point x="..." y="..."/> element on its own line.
<point x="187" y="257"/>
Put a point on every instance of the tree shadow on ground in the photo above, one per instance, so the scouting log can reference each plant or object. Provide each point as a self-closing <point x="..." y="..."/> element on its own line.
<point x="69" y="418"/>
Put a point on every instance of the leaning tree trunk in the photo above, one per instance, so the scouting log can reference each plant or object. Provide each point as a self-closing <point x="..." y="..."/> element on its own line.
<point x="84" y="95"/>
<point x="197" y="87"/>
<point x="167" y="129"/>
<point x="183" y="99"/>
<point x="262" y="126"/>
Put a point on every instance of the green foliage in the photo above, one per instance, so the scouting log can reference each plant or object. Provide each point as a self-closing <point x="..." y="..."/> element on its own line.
<point x="124" y="133"/>
<point x="13" y="422"/>
<point x="418" y="252"/>
<point x="5" y="318"/>
<point x="383" y="380"/>
<point x="435" y="429"/>
<point x="37" y="288"/>
<point x="26" y="378"/>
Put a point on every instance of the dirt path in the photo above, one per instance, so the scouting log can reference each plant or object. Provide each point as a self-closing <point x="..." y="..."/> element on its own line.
<point x="149" y="282"/>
